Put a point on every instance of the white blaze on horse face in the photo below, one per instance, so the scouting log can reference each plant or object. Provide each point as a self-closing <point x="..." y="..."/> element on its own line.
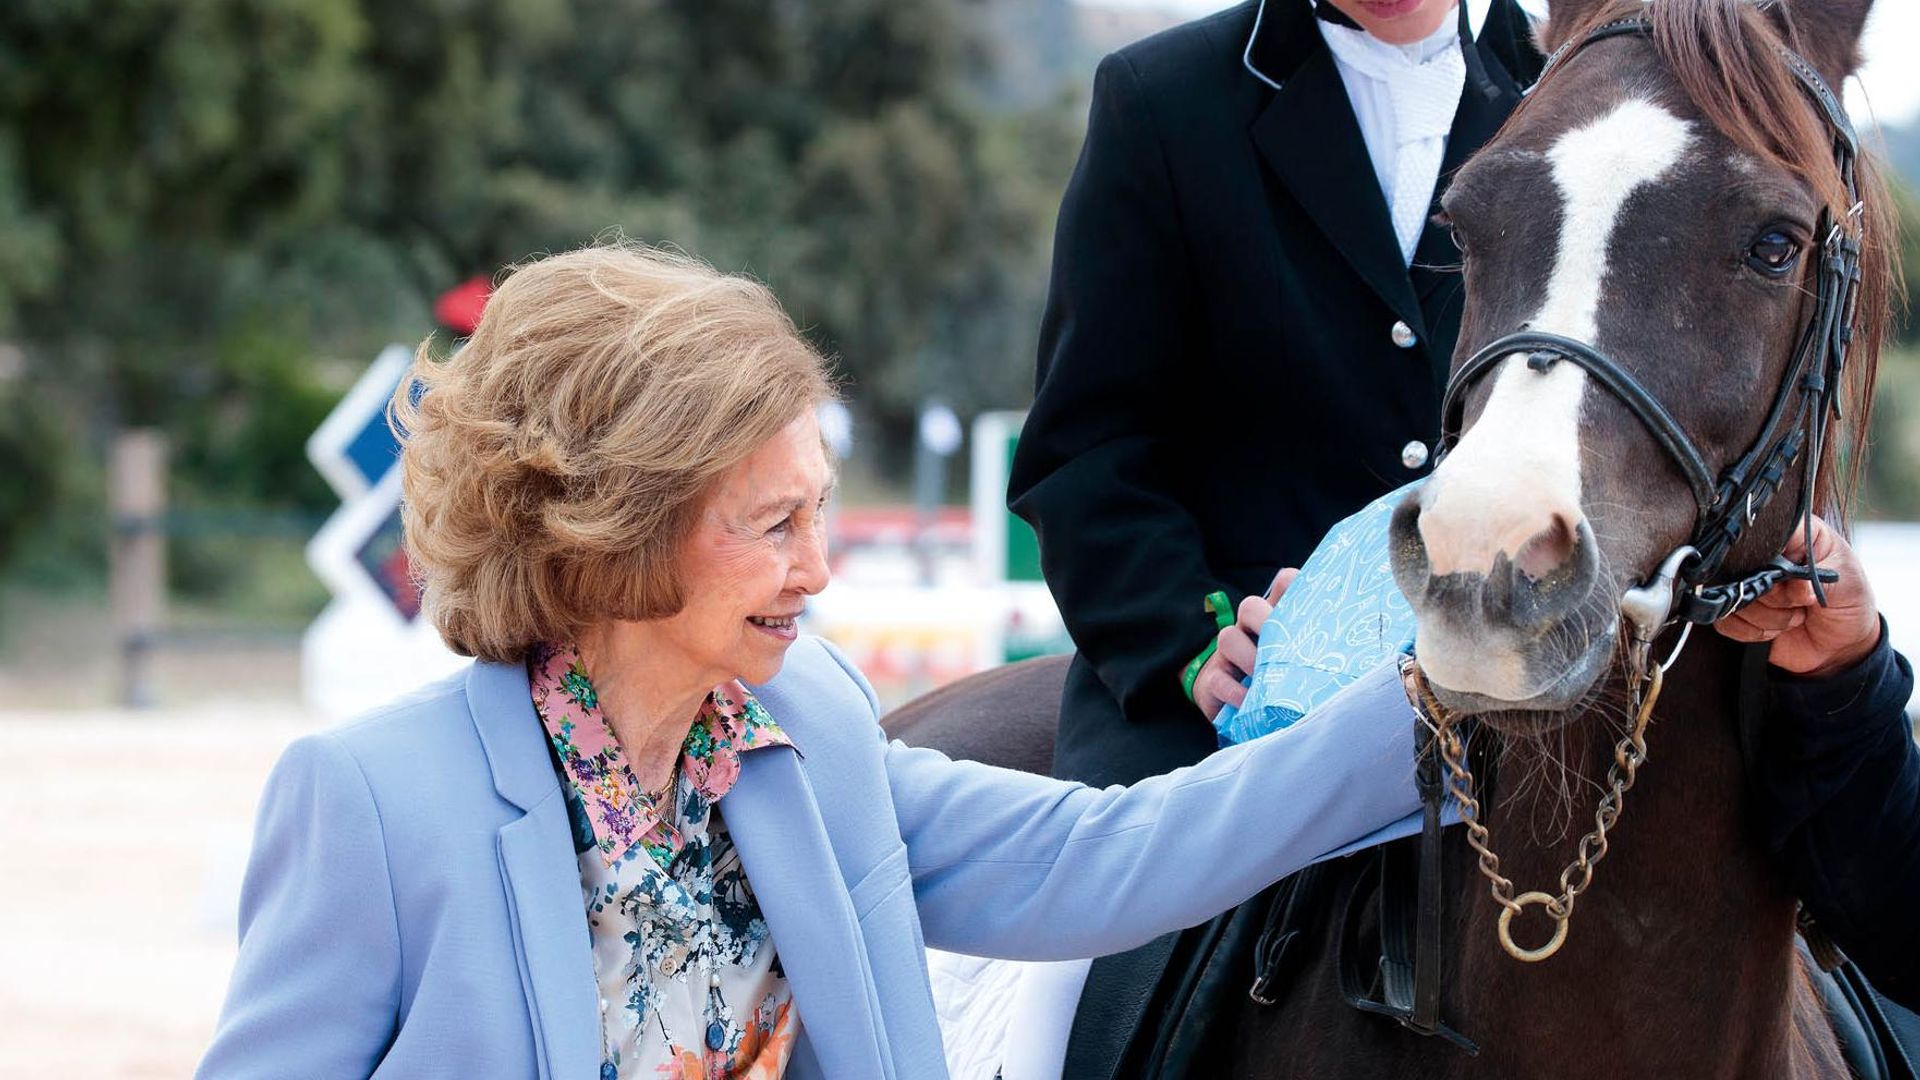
<point x="1520" y="464"/>
<point x="1518" y="469"/>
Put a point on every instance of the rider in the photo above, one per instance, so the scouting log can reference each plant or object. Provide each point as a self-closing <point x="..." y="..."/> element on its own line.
<point x="1248" y="225"/>
<point x="1247" y="230"/>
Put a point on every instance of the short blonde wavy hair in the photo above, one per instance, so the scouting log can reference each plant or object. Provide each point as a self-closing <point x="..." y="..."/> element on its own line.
<point x="553" y="467"/>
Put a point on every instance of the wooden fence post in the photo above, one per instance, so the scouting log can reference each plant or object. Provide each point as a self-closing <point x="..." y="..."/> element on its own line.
<point x="137" y="575"/>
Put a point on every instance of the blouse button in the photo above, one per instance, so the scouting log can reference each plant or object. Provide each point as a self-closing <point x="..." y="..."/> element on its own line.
<point x="713" y="979"/>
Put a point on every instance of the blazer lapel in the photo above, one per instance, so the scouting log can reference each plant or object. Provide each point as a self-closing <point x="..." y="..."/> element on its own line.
<point x="550" y="929"/>
<point x="540" y="874"/>
<point x="776" y="826"/>
<point x="1309" y="138"/>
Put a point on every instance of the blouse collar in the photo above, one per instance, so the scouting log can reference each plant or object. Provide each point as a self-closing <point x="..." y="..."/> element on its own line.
<point x="730" y="723"/>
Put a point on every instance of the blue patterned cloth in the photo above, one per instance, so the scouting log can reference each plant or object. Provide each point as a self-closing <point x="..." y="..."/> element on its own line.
<point x="1339" y="619"/>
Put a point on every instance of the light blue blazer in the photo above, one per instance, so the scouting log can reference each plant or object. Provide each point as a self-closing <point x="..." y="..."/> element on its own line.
<point x="413" y="904"/>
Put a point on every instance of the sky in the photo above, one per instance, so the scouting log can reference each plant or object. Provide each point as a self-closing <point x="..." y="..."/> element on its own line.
<point x="1887" y="90"/>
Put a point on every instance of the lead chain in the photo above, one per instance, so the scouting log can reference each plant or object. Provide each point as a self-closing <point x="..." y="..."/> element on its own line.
<point x="1628" y="755"/>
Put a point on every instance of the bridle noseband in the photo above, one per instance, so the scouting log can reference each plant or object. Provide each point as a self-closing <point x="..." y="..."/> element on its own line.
<point x="1796" y="425"/>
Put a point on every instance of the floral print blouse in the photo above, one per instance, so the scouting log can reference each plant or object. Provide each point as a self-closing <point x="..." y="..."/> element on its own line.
<point x="690" y="988"/>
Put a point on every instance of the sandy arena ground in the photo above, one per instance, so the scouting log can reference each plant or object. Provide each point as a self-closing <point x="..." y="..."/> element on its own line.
<point x="124" y="836"/>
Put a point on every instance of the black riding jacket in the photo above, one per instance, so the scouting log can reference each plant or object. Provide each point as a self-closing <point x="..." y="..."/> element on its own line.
<point x="1837" y="790"/>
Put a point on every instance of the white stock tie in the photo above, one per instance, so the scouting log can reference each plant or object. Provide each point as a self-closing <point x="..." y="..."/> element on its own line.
<point x="1423" y="96"/>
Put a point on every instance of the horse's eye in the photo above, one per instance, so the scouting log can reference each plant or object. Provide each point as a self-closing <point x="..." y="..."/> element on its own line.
<point x="1773" y="253"/>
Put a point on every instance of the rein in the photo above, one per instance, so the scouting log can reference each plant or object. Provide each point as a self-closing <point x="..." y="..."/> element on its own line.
<point x="1725" y="507"/>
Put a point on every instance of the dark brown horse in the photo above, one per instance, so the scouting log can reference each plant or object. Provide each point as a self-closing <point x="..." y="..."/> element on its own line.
<point x="1658" y="198"/>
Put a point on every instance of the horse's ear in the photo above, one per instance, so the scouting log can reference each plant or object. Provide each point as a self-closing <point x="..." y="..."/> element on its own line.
<point x="1827" y="33"/>
<point x="1563" y="18"/>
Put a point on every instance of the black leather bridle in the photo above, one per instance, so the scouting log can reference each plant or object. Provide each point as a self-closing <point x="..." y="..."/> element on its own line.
<point x="1796" y="426"/>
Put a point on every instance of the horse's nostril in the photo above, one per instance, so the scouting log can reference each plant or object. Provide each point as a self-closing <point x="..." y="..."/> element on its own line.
<point x="1549" y="549"/>
<point x="1408" y="552"/>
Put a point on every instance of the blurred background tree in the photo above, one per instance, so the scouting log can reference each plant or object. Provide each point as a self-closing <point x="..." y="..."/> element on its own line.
<point x="212" y="213"/>
<point x="1891" y="486"/>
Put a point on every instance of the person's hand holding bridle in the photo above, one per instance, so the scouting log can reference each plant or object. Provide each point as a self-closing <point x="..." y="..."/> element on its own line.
<point x="1218" y="683"/>
<point x="1808" y="639"/>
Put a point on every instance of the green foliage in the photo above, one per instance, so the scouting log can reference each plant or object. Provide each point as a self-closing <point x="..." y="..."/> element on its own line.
<point x="199" y="199"/>
<point x="53" y="504"/>
<point x="1888" y="490"/>
<point x="1907" y="303"/>
<point x="31" y="445"/>
<point x="1890" y="486"/>
<point x="165" y="140"/>
<point x="247" y="440"/>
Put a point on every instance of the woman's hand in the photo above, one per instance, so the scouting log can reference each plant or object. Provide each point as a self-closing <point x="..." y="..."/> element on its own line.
<point x="1808" y="639"/>
<point x="1218" y="683"/>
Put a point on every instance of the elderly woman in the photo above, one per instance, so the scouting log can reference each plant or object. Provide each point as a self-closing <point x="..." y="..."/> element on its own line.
<point x="654" y="830"/>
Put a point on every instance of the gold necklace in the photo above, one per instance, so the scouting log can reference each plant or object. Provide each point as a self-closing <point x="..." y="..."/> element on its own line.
<point x="659" y="796"/>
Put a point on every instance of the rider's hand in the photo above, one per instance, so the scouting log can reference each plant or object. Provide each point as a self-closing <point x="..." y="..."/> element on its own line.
<point x="1218" y="683"/>
<point x="1808" y="639"/>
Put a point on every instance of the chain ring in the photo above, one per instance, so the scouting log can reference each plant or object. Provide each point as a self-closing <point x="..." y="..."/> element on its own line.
<point x="1533" y="956"/>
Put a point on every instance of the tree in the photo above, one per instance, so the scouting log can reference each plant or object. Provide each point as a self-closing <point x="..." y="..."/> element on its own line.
<point x="167" y="142"/>
<point x="200" y="199"/>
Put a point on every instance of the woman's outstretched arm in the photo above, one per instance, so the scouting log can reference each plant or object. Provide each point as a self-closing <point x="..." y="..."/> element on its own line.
<point x="1011" y="864"/>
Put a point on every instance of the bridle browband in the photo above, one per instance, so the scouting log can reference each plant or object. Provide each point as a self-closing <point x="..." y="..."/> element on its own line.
<point x="1726" y="505"/>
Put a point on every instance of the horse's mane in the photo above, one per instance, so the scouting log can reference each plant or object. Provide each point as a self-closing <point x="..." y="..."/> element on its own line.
<point x="1725" y="54"/>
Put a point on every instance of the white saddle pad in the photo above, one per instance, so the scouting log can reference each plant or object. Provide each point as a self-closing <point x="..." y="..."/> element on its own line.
<point x="1004" y="1017"/>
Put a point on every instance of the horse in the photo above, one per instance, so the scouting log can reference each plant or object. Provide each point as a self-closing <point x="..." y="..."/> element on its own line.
<point x="1648" y="247"/>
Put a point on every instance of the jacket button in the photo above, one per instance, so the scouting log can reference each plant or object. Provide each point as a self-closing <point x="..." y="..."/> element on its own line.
<point x="1403" y="335"/>
<point x="1414" y="454"/>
